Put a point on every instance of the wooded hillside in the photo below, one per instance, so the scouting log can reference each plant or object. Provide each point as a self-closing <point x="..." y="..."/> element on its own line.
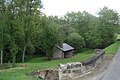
<point x="26" y="31"/>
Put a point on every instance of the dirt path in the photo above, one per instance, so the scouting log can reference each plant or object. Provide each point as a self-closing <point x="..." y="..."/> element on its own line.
<point x="100" y="69"/>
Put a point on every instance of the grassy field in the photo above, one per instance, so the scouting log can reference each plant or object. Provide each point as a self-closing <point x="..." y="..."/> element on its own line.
<point x="20" y="73"/>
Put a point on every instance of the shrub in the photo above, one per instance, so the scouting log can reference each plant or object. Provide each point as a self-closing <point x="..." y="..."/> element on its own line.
<point x="76" y="41"/>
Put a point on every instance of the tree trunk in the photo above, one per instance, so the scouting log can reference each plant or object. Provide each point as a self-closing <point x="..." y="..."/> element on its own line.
<point x="13" y="60"/>
<point x="1" y="56"/>
<point x="49" y="57"/>
<point x="23" y="57"/>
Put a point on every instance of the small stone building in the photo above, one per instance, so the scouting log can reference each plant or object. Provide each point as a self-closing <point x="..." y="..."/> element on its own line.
<point x="64" y="51"/>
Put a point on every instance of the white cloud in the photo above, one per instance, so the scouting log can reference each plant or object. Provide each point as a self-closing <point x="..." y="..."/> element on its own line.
<point x="60" y="7"/>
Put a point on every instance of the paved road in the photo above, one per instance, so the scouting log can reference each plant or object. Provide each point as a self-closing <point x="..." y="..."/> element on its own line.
<point x="113" y="71"/>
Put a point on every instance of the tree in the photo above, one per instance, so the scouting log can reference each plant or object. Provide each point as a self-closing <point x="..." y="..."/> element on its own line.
<point x="108" y="25"/>
<point x="49" y="37"/>
<point x="77" y="41"/>
<point x="28" y="9"/>
<point x="84" y="24"/>
<point x="91" y="36"/>
<point x="1" y="30"/>
<point x="67" y="24"/>
<point x="14" y="50"/>
<point x="14" y="28"/>
<point x="4" y="32"/>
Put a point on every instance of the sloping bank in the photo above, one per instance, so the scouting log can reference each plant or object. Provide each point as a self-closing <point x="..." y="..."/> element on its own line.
<point x="71" y="70"/>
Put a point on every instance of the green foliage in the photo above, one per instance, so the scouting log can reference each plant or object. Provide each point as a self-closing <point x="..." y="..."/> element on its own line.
<point x="117" y="37"/>
<point x="4" y="31"/>
<point x="14" y="50"/>
<point x="108" y="25"/>
<point x="50" y="37"/>
<point x="16" y="25"/>
<point x="77" y="41"/>
<point x="98" y="32"/>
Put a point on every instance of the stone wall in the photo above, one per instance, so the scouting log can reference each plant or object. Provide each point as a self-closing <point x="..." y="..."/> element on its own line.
<point x="47" y="74"/>
<point x="93" y="62"/>
<point x="72" y="70"/>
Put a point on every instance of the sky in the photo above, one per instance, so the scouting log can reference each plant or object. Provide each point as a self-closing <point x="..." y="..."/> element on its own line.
<point x="61" y="7"/>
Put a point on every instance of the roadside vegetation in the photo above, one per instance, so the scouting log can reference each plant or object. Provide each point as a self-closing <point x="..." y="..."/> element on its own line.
<point x="28" y="37"/>
<point x="112" y="49"/>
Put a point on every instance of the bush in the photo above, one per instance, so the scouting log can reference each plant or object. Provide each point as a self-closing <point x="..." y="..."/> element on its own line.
<point x="76" y="41"/>
<point x="115" y="37"/>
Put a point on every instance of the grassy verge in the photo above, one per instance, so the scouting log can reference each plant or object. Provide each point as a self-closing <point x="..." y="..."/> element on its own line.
<point x="19" y="73"/>
<point x="112" y="48"/>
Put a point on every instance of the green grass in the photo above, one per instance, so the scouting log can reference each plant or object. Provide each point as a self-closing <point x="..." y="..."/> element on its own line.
<point x="54" y="63"/>
<point x="112" y="48"/>
<point x="39" y="63"/>
<point x="16" y="74"/>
